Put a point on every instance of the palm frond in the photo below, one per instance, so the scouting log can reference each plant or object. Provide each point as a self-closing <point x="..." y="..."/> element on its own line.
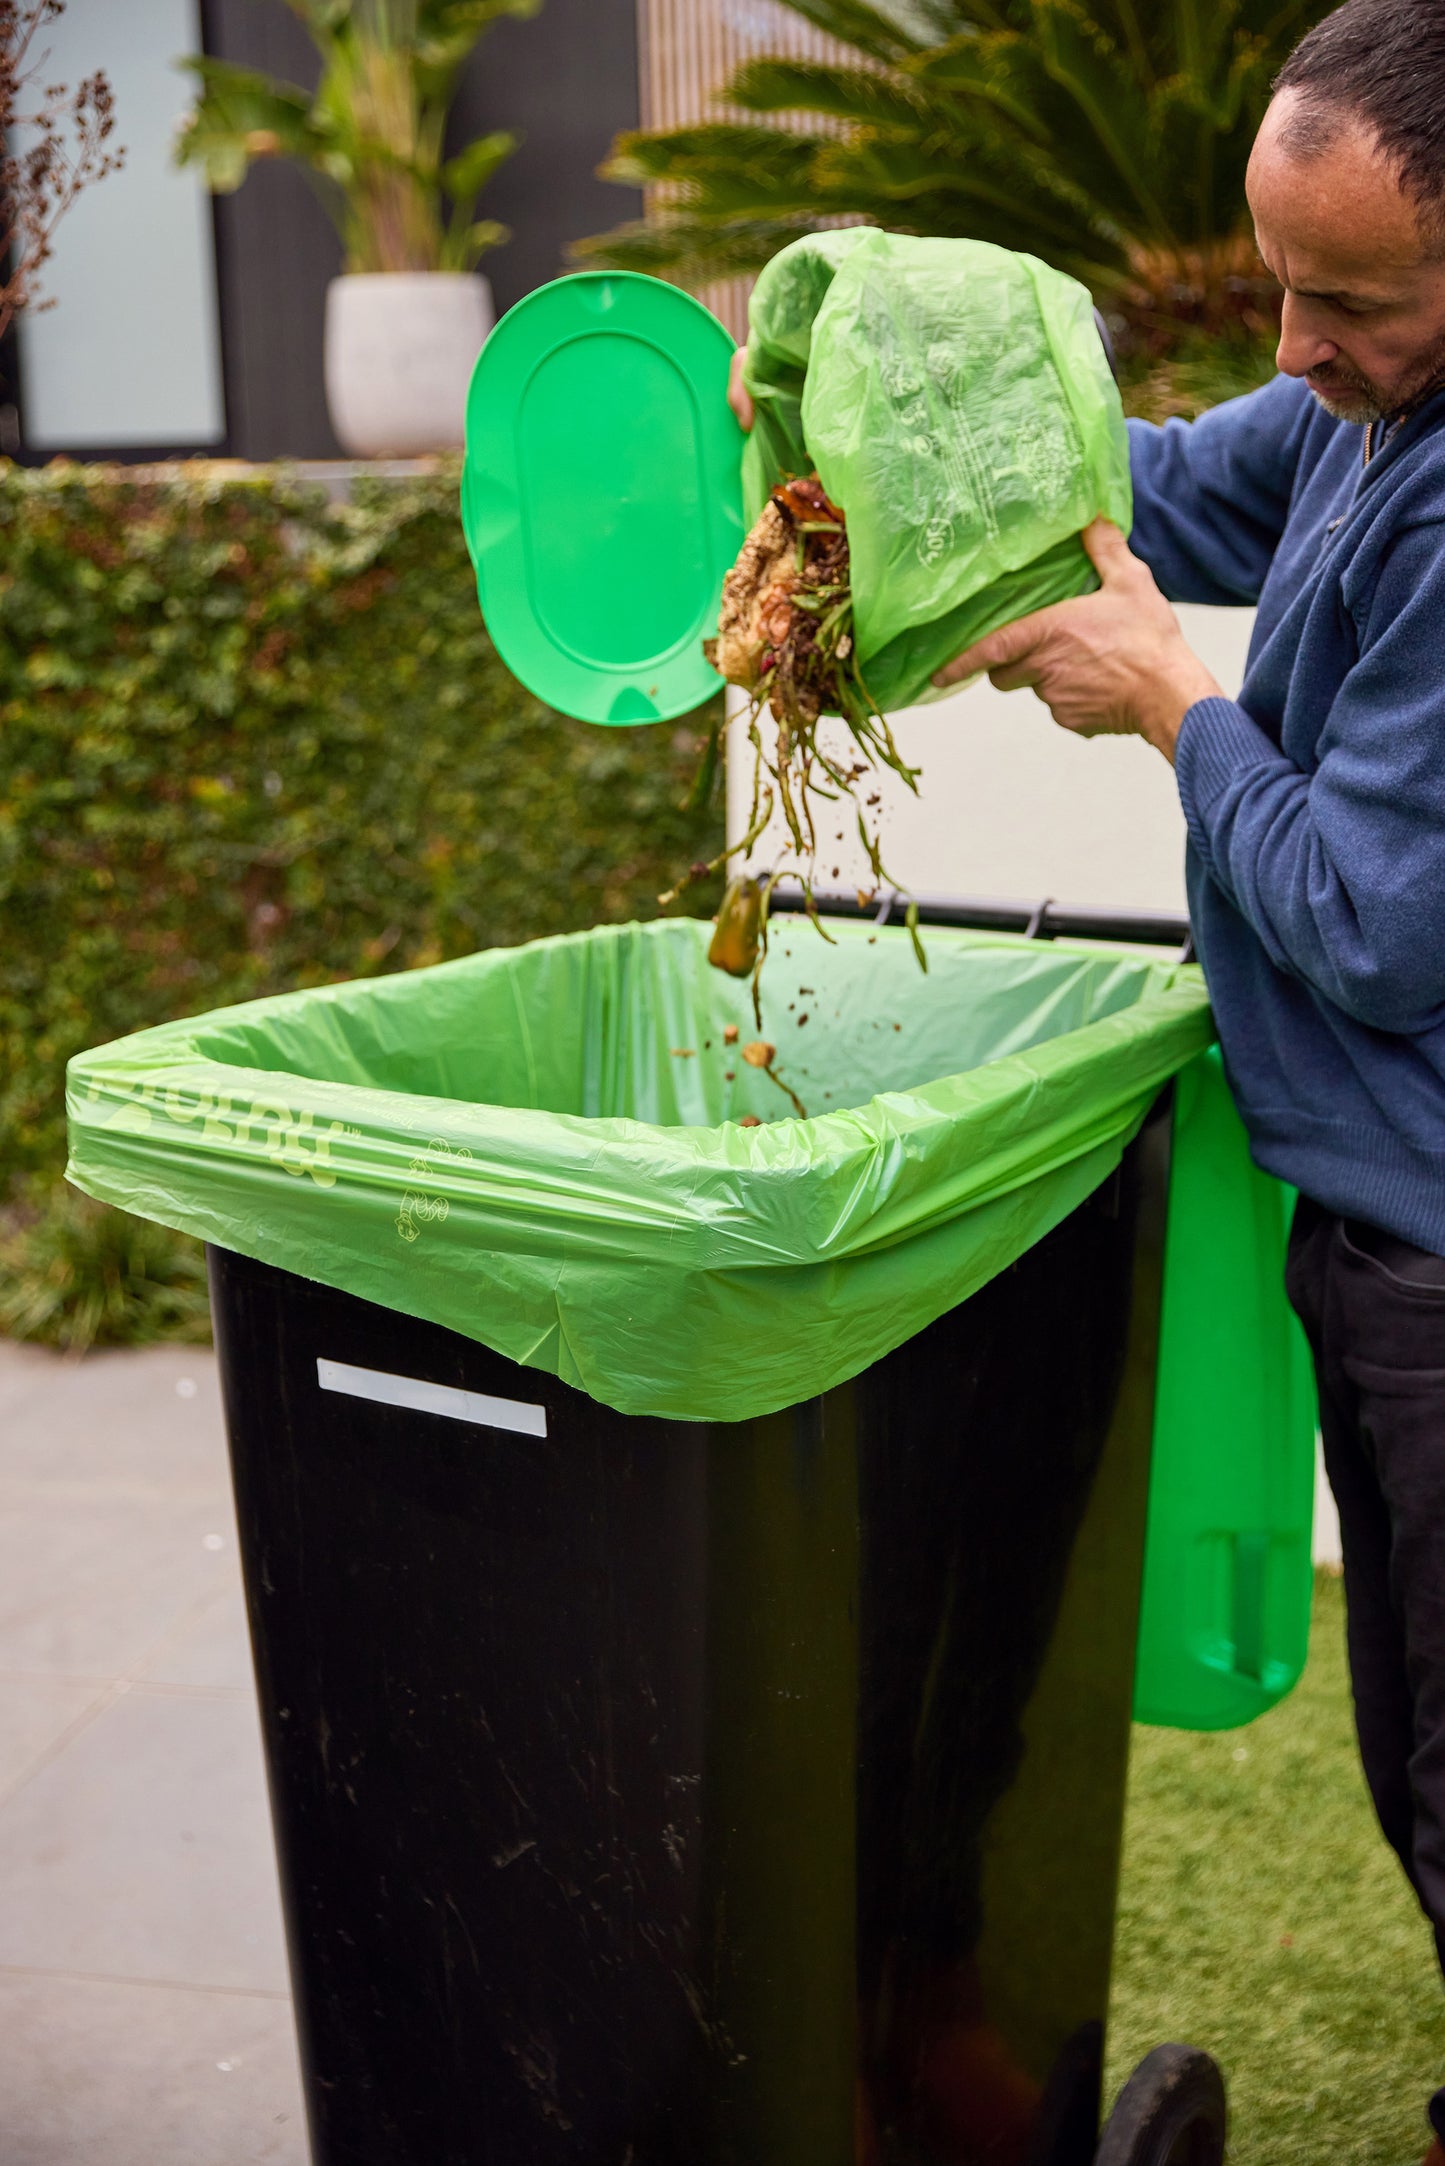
<point x="1110" y="109"/>
<point x="1109" y="137"/>
<point x="982" y="69"/>
<point x="972" y="194"/>
<point x="241" y="115"/>
<point x="886" y="32"/>
<point x="693" y="250"/>
<point x="694" y="158"/>
<point x="859" y="95"/>
<point x="465" y="176"/>
<point x="447" y="33"/>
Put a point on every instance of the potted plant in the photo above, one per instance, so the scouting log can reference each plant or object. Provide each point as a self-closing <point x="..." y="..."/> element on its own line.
<point x="406" y="319"/>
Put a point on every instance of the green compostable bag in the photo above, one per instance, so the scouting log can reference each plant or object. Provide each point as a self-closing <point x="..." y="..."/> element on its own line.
<point x="956" y="401"/>
<point x="539" y="1146"/>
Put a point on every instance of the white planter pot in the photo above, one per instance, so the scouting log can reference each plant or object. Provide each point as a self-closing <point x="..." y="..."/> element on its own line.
<point x="400" y="347"/>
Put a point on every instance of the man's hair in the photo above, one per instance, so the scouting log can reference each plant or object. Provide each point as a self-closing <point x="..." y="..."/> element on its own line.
<point x="1381" y="63"/>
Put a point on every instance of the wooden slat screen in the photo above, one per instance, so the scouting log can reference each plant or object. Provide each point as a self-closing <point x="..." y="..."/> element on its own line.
<point x="688" y="49"/>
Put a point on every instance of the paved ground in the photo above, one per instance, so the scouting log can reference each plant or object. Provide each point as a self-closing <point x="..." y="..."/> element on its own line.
<point x="144" y="2012"/>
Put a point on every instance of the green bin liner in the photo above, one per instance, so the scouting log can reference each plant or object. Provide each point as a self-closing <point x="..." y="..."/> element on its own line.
<point x="956" y="400"/>
<point x="539" y="1146"/>
<point x="1229" y="1569"/>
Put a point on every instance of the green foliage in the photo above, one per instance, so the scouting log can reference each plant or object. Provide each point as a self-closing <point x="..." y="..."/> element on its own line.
<point x="1108" y="138"/>
<point x="371" y="137"/>
<point x="250" y="741"/>
<point x="76" y="1274"/>
<point x="1262" y="1917"/>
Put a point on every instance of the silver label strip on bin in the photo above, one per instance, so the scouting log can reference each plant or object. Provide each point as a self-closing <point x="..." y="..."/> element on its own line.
<point x="415" y="1392"/>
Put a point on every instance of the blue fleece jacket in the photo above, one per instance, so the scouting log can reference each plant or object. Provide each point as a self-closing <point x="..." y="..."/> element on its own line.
<point x="1316" y="801"/>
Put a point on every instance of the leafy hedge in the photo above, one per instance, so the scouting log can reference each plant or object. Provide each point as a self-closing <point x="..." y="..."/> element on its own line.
<point x="249" y="740"/>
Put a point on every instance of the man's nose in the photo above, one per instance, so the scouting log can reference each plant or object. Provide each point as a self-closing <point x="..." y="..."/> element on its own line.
<point x="1301" y="348"/>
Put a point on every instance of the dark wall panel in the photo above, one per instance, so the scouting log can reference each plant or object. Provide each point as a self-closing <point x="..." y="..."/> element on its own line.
<point x="566" y="81"/>
<point x="277" y="249"/>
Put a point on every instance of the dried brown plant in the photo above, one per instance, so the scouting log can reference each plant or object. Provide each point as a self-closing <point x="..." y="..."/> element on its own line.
<point x="67" y="146"/>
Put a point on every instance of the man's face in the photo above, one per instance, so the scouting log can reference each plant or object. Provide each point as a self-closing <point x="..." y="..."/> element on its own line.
<point x="1364" y="288"/>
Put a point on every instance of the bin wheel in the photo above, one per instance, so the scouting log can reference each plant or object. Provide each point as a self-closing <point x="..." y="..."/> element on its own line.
<point x="1170" y="2113"/>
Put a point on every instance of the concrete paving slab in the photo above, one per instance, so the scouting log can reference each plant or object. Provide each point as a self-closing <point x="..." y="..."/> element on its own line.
<point x="132" y="1421"/>
<point x="22" y="1369"/>
<point x="101" y="2072"/>
<point x="36" y="1714"/>
<point x="144" y="2016"/>
<point x="210" y="1649"/>
<point x="142" y="1849"/>
<point x="92" y="1579"/>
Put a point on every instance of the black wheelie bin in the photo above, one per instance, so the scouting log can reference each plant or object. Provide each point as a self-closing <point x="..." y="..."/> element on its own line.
<point x="693" y="1567"/>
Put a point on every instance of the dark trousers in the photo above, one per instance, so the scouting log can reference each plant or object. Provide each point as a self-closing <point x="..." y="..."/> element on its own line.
<point x="1374" y="1310"/>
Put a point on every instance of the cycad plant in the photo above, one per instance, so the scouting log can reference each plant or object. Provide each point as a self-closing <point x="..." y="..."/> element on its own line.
<point x="371" y="137"/>
<point x="1108" y="136"/>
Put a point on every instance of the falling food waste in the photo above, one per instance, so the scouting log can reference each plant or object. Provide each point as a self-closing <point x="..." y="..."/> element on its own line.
<point x="785" y="637"/>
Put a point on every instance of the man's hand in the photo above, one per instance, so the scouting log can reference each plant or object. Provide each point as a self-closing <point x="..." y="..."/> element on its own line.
<point x="1112" y="663"/>
<point x="738" y="397"/>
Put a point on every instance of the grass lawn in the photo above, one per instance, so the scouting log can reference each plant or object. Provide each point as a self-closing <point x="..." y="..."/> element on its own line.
<point x="1262" y="1917"/>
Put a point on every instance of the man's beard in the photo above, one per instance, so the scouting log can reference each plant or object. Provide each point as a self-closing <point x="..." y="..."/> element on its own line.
<point x="1350" y="395"/>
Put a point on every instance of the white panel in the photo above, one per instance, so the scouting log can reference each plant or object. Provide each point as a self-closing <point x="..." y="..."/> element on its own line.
<point x="130" y="354"/>
<point x="1009" y="805"/>
<point x="384" y="1389"/>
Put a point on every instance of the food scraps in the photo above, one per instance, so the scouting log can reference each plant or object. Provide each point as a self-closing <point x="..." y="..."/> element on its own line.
<point x="738" y="932"/>
<point x="785" y="636"/>
<point x="760" y="1054"/>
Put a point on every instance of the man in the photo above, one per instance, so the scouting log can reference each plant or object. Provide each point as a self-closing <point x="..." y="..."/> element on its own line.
<point x="1316" y="808"/>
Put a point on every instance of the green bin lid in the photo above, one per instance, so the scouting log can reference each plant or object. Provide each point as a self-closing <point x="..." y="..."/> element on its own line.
<point x="602" y="494"/>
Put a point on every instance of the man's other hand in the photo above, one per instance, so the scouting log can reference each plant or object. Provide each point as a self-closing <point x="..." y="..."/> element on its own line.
<point x="739" y="398"/>
<point x="1113" y="663"/>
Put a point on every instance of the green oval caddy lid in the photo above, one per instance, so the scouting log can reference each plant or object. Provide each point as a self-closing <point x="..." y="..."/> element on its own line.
<point x="602" y="495"/>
